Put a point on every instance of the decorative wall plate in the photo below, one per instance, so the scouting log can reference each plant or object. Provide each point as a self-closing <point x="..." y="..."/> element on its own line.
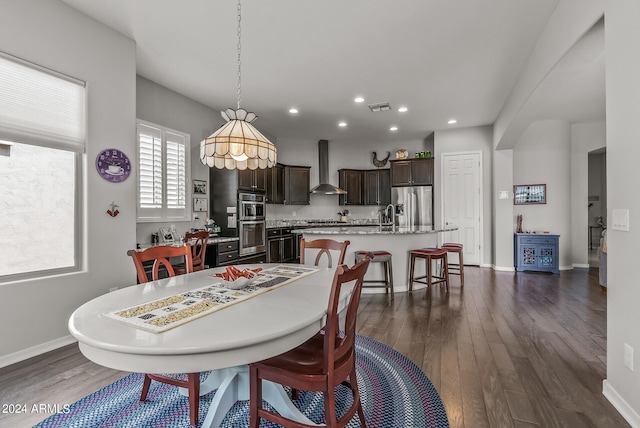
<point x="113" y="165"/>
<point x="402" y="154"/>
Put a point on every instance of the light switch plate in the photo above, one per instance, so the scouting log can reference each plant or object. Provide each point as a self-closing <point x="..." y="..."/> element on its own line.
<point x="503" y="194"/>
<point x="620" y="219"/>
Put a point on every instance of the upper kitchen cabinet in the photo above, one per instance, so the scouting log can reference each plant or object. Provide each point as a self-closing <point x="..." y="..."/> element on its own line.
<point x="254" y="180"/>
<point x="412" y="172"/>
<point x="377" y="187"/>
<point x="296" y="185"/>
<point x="275" y="184"/>
<point x="288" y="185"/>
<point x="351" y="180"/>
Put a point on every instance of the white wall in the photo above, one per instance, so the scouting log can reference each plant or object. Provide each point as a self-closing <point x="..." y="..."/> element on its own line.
<point x="162" y="106"/>
<point x="503" y="218"/>
<point x="585" y="137"/>
<point x="568" y="23"/>
<point x="478" y="138"/>
<point x="622" y="38"/>
<point x="34" y="313"/>
<point x="342" y="154"/>
<point x="543" y="156"/>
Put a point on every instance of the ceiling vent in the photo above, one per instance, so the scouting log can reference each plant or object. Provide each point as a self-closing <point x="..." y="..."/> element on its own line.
<point x="379" y="107"/>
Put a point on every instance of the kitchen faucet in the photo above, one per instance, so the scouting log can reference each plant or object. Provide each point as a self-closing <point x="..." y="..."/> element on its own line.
<point x="392" y="217"/>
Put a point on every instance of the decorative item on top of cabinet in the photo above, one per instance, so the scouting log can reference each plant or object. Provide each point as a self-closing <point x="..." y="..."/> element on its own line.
<point x="380" y="163"/>
<point x="412" y="172"/>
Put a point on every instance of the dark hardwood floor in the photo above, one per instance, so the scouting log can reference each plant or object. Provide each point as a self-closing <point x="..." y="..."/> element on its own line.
<point x="510" y="350"/>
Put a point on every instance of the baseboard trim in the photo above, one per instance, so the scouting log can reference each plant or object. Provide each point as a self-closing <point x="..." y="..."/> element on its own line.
<point x="504" y="268"/>
<point x="581" y="266"/>
<point x="25" y="354"/>
<point x="620" y="404"/>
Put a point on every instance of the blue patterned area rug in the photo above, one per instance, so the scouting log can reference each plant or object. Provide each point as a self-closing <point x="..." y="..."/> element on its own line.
<point x="395" y="394"/>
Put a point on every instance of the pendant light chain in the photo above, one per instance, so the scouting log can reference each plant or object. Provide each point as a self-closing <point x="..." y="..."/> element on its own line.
<point x="237" y="144"/>
<point x="239" y="50"/>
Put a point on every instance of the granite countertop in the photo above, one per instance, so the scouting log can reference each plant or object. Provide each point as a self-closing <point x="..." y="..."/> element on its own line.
<point x="373" y="230"/>
<point x="212" y="240"/>
<point x="317" y="222"/>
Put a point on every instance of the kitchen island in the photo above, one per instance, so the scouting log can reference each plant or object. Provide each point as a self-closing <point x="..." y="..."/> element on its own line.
<point x="397" y="241"/>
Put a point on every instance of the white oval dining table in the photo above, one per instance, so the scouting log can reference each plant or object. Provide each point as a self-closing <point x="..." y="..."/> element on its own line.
<point x="223" y="342"/>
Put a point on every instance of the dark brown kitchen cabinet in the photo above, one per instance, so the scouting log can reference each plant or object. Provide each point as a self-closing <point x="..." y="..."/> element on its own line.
<point x="221" y="254"/>
<point x="288" y="185"/>
<point x="254" y="180"/>
<point x="412" y="172"/>
<point x="351" y="180"/>
<point x="275" y="184"/>
<point x="296" y="185"/>
<point x="280" y="245"/>
<point x="377" y="187"/>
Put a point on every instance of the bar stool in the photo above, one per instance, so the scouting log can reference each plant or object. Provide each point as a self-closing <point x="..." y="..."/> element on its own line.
<point x="379" y="257"/>
<point x="455" y="269"/>
<point x="430" y="255"/>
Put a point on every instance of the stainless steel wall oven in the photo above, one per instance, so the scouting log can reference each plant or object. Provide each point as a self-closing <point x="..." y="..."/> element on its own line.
<point x="252" y="228"/>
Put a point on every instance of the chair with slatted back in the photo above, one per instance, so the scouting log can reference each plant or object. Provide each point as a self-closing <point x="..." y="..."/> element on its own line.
<point x="321" y="363"/>
<point x="198" y="241"/>
<point x="324" y="245"/>
<point x="160" y="256"/>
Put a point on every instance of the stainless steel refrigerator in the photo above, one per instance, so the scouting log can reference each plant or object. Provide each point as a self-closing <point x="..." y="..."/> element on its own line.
<point x="414" y="205"/>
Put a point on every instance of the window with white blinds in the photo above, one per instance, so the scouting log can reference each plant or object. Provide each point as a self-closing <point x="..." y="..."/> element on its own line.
<point x="162" y="173"/>
<point x="40" y="106"/>
<point x="42" y="138"/>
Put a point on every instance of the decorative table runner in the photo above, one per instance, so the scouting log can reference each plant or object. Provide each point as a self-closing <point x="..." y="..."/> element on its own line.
<point x="169" y="312"/>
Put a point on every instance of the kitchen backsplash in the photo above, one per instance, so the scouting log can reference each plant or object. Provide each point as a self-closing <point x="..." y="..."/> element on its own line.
<point x="321" y="207"/>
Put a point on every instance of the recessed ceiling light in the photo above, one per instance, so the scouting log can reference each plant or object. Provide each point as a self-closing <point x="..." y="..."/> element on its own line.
<point x="293" y="110"/>
<point x="393" y="128"/>
<point x="402" y="109"/>
<point x="359" y="100"/>
<point x="452" y="121"/>
<point x="342" y="124"/>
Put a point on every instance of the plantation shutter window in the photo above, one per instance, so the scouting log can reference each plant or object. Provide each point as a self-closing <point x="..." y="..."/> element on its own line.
<point x="162" y="173"/>
<point x="176" y="172"/>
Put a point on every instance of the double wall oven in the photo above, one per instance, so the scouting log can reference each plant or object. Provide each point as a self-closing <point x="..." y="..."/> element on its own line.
<point x="252" y="227"/>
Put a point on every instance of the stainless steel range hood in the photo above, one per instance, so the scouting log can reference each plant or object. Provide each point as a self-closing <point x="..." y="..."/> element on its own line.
<point x="324" y="187"/>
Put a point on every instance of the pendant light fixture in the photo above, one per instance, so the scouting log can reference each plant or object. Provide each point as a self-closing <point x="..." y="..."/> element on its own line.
<point x="238" y="144"/>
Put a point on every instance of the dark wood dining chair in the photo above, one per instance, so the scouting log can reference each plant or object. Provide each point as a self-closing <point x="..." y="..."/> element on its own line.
<point x="160" y="256"/>
<point x="198" y="242"/>
<point x="324" y="245"/>
<point x="321" y="363"/>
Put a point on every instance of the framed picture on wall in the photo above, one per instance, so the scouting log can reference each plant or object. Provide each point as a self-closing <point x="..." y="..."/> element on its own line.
<point x="167" y="234"/>
<point x="529" y="194"/>
<point x="199" y="187"/>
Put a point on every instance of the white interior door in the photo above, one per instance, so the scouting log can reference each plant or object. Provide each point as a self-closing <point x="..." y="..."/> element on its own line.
<point x="461" y="195"/>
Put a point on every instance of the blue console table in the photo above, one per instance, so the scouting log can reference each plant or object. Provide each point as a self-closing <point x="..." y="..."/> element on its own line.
<point x="536" y="252"/>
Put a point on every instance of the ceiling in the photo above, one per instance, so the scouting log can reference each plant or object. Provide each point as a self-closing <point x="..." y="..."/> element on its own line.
<point x="441" y="59"/>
